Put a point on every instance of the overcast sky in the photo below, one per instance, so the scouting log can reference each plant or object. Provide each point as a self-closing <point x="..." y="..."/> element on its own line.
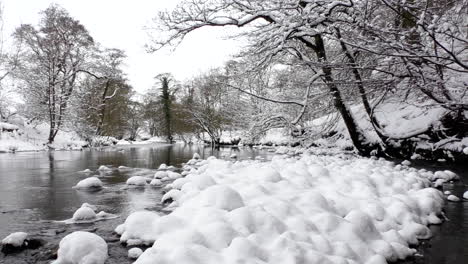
<point x="120" y="23"/>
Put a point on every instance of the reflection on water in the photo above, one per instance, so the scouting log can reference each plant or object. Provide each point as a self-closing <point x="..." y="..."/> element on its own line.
<point x="38" y="186"/>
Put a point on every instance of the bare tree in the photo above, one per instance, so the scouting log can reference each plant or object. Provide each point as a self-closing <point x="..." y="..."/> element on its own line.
<point x="54" y="54"/>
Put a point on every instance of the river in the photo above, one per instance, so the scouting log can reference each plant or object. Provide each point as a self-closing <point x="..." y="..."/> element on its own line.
<point x="36" y="192"/>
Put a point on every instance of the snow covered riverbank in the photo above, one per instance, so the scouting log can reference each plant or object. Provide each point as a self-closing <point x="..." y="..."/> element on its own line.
<point x="290" y="210"/>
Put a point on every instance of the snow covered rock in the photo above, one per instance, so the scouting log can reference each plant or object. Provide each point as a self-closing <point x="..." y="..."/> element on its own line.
<point x="86" y="171"/>
<point x="89" y="183"/>
<point x="15" y="239"/>
<point x="173" y="175"/>
<point x="134" y="253"/>
<point x="160" y="175"/>
<point x="406" y="163"/>
<point x="84" y="214"/>
<point x="136" y="181"/>
<point x="196" y="156"/>
<point x="453" y="198"/>
<point x="233" y="156"/>
<point x="82" y="248"/>
<point x="320" y="209"/>
<point x="465" y="150"/>
<point x="162" y="167"/>
<point x="447" y="192"/>
<point x="138" y="228"/>
<point x="156" y="182"/>
<point x="104" y="168"/>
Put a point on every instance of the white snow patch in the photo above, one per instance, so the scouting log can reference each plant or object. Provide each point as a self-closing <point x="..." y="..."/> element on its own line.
<point x="453" y="198"/>
<point x="465" y="195"/>
<point x="91" y="182"/>
<point x="465" y="150"/>
<point x="104" y="168"/>
<point x="82" y="248"/>
<point x="321" y="209"/>
<point x="160" y="175"/>
<point x="134" y="253"/>
<point x="15" y="239"/>
<point x="137" y="181"/>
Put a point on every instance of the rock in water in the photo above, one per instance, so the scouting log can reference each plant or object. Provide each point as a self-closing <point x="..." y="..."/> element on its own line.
<point x="82" y="248"/>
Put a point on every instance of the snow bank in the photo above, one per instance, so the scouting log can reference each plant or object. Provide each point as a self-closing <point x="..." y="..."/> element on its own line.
<point x="15" y="239"/>
<point x="82" y="248"/>
<point x="89" y="183"/>
<point x="313" y="209"/>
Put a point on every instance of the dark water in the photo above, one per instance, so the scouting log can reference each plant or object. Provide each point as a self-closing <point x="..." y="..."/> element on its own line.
<point x="36" y="191"/>
<point x="449" y="244"/>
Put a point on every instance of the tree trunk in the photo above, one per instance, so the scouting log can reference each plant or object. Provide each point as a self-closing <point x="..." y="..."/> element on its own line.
<point x="356" y="134"/>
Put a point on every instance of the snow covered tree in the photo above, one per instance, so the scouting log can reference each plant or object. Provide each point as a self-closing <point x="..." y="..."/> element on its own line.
<point x="273" y="28"/>
<point x="53" y="56"/>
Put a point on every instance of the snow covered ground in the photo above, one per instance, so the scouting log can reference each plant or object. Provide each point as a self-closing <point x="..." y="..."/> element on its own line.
<point x="398" y="120"/>
<point x="306" y="209"/>
<point x="34" y="138"/>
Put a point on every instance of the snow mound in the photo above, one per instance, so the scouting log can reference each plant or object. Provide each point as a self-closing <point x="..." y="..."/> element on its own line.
<point x="138" y="228"/>
<point x="453" y="198"/>
<point x="196" y="156"/>
<point x="137" y="181"/>
<point x="156" y="182"/>
<point x="87" y="214"/>
<point x="465" y="150"/>
<point x="465" y="195"/>
<point x="160" y="175"/>
<point x="82" y="248"/>
<point x="15" y="239"/>
<point x="162" y="167"/>
<point x="84" y="214"/>
<point x="89" y="183"/>
<point x="319" y="209"/>
<point x="104" y="168"/>
<point x="134" y="253"/>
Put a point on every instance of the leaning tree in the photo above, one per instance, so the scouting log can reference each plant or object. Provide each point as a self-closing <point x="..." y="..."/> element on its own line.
<point x="273" y="29"/>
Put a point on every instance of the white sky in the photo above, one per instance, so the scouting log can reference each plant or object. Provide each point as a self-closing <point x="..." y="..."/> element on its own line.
<point x="119" y="24"/>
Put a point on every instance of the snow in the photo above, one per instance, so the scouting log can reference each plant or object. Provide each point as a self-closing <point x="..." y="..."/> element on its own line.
<point x="162" y="167"/>
<point x="465" y="195"/>
<point x="160" y="175"/>
<point x="84" y="214"/>
<point x="87" y="214"/>
<point x="89" y="183"/>
<point x="7" y="126"/>
<point x="156" y="182"/>
<point x="137" y="181"/>
<point x="104" y="168"/>
<point x="465" y="150"/>
<point x="33" y="137"/>
<point x="134" y="253"/>
<point x="309" y="209"/>
<point x="453" y="198"/>
<point x="82" y="248"/>
<point x="15" y="239"/>
<point x="406" y="163"/>
<point x="196" y="156"/>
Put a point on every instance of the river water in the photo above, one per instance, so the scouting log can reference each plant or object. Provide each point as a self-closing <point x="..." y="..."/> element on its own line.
<point x="36" y="192"/>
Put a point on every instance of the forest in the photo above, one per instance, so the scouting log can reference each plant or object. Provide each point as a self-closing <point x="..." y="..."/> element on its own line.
<point x="337" y="133"/>
<point x="321" y="72"/>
